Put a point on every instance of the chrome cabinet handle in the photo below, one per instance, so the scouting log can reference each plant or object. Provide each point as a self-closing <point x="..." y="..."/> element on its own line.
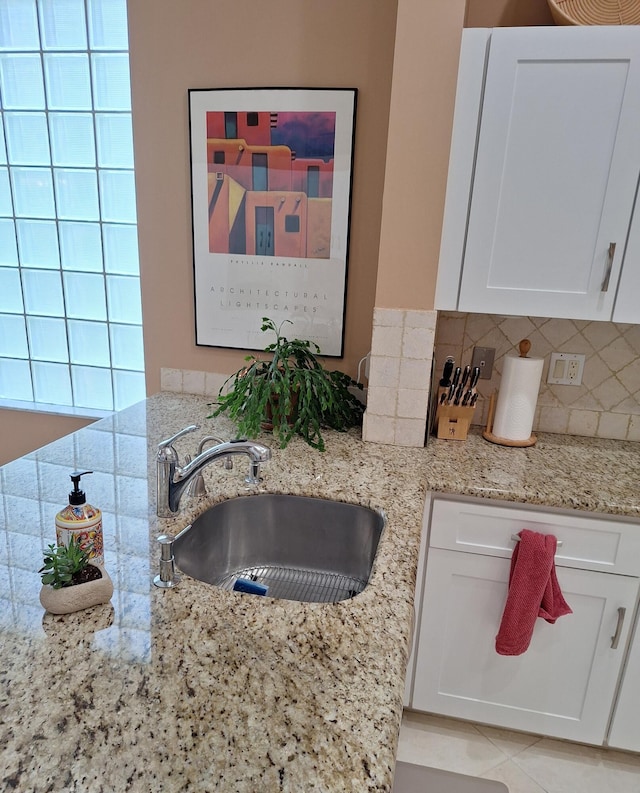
<point x="607" y="274"/>
<point x="615" y="639"/>
<point x="516" y="538"/>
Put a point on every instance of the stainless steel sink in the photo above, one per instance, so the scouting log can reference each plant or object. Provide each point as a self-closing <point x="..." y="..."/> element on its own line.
<point x="305" y="549"/>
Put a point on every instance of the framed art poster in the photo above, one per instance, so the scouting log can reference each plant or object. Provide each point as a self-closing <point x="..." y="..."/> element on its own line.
<point x="271" y="173"/>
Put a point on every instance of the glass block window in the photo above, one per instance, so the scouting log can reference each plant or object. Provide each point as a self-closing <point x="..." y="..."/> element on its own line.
<point x="70" y="309"/>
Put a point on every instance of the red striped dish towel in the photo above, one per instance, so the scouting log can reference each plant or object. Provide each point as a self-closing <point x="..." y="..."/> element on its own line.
<point x="533" y="592"/>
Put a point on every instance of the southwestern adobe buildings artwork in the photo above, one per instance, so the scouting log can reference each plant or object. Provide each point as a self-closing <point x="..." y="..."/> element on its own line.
<point x="270" y="182"/>
<point x="271" y="179"/>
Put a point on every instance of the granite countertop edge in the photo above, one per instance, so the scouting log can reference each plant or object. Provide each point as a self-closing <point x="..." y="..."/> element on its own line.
<point x="220" y="691"/>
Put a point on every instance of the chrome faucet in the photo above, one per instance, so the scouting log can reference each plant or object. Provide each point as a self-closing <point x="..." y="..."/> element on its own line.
<point x="173" y="479"/>
<point x="196" y="485"/>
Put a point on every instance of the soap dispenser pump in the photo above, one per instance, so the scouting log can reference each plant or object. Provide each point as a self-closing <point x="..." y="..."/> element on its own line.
<point x="81" y="521"/>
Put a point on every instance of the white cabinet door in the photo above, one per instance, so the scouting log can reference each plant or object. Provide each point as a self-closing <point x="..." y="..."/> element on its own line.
<point x="627" y="306"/>
<point x="556" y="172"/>
<point x="625" y="727"/>
<point x="562" y="686"/>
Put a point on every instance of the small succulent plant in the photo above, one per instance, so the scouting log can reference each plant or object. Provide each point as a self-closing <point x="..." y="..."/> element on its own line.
<point x="62" y="564"/>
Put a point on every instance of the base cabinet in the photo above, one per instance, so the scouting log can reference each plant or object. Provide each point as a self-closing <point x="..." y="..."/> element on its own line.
<point x="565" y="684"/>
<point x="625" y="725"/>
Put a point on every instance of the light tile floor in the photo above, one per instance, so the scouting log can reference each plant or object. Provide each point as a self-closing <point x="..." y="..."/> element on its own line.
<point x="525" y="763"/>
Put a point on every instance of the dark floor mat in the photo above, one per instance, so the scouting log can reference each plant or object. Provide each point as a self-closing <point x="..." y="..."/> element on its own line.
<point x="412" y="778"/>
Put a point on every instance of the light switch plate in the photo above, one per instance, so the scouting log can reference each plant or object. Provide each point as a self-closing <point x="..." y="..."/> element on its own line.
<point x="483" y="357"/>
<point x="565" y="368"/>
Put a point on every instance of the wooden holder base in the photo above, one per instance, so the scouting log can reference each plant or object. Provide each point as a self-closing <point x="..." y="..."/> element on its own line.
<point x="488" y="435"/>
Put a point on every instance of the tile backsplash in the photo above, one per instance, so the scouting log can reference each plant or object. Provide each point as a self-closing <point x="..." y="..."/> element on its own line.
<point x="605" y="405"/>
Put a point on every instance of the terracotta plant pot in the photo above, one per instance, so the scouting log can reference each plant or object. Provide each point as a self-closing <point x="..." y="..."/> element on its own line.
<point x="81" y="596"/>
<point x="267" y="424"/>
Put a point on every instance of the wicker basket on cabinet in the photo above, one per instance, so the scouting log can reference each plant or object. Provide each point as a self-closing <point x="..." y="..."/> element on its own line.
<point x="595" y="12"/>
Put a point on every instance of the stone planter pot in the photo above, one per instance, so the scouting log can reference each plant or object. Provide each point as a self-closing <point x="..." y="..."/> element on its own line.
<point x="78" y="597"/>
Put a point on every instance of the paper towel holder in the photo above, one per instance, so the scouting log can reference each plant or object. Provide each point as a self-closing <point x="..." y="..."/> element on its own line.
<point x="523" y="347"/>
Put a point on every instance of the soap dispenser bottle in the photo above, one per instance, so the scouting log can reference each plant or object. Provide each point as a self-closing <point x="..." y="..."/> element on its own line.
<point x="82" y="521"/>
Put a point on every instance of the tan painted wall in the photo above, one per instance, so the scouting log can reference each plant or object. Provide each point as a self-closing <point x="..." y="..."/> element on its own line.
<point x="204" y="44"/>
<point x="237" y="43"/>
<point x="424" y="81"/>
<point x="507" y="13"/>
<point x="23" y="431"/>
<point x="421" y="114"/>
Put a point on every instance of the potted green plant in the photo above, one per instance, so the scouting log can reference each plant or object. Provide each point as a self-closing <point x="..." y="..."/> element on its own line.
<point x="289" y="392"/>
<point x="70" y="581"/>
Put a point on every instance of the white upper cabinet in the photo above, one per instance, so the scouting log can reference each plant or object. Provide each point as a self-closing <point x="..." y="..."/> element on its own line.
<point x="537" y="223"/>
<point x="627" y="308"/>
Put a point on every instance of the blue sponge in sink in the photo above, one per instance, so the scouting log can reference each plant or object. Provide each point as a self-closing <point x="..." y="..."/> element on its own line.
<point x="250" y="587"/>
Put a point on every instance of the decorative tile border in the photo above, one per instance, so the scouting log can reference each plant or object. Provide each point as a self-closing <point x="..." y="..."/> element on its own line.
<point x="399" y="376"/>
<point x="186" y="381"/>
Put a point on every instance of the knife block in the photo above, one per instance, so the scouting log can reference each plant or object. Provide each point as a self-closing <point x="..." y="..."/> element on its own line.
<point x="452" y="421"/>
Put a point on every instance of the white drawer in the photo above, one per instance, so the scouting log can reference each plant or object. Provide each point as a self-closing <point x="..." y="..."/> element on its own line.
<point x="486" y="527"/>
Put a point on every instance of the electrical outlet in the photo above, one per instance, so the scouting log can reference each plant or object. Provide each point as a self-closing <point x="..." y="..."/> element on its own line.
<point x="483" y="357"/>
<point x="565" y="368"/>
<point x="359" y="393"/>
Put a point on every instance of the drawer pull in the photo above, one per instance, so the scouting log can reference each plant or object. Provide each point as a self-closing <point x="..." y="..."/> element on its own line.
<point x="516" y="538"/>
<point x="615" y="639"/>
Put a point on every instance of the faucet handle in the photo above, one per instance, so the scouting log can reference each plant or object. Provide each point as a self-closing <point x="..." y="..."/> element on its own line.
<point x="170" y="441"/>
<point x="165" y="448"/>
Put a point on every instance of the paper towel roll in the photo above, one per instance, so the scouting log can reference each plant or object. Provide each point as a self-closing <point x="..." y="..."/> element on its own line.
<point x="517" y="398"/>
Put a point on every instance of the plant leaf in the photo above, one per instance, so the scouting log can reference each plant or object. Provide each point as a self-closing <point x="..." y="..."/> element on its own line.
<point x="302" y="395"/>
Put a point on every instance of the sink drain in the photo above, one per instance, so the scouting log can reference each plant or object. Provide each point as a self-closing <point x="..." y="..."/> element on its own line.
<point x="306" y="586"/>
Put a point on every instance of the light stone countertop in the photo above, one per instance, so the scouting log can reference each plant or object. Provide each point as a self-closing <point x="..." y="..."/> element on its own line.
<point x="560" y="471"/>
<point x="197" y="689"/>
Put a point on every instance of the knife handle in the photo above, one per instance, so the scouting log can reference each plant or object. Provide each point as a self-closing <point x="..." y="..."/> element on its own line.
<point x="452" y="390"/>
<point x="456" y="377"/>
<point x="445" y="380"/>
